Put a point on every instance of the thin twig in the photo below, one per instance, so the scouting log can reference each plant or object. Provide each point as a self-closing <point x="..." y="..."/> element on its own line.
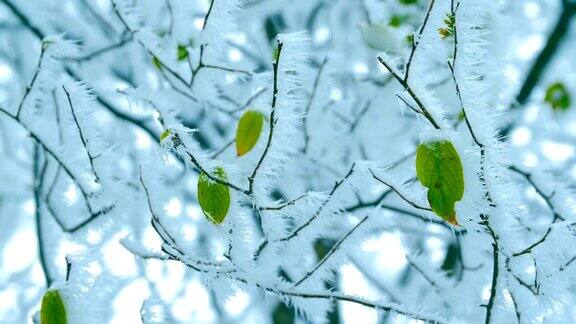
<point x="214" y="178"/>
<point x="39" y="172"/>
<point x="85" y="195"/>
<point x="548" y="200"/>
<point x="424" y="274"/>
<point x="284" y="205"/>
<point x="201" y="65"/>
<point x="416" y="40"/>
<point x="358" y="118"/>
<point x="413" y="204"/>
<point x="126" y="38"/>
<point x="221" y="150"/>
<point x="411" y="92"/>
<point x="330" y="253"/>
<point x="272" y="120"/>
<point x="309" y="105"/>
<point x="82" y="136"/>
<point x="516" y="307"/>
<point x="208" y="14"/>
<point x="319" y="210"/>
<point x="252" y="98"/>
<point x="171" y="244"/>
<point x="485" y="221"/>
<point x="495" y="271"/>
<point x="341" y="297"/>
<point x="115" y="111"/>
<point x="164" y="66"/>
<point x="409" y="105"/>
<point x="33" y="82"/>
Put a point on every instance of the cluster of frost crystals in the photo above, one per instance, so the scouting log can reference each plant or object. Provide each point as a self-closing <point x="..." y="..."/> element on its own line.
<point x="110" y="110"/>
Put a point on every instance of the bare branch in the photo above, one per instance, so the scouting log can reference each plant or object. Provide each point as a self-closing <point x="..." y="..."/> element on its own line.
<point x="413" y="204"/>
<point x="411" y="92"/>
<point x="309" y="105"/>
<point x="416" y="40"/>
<point x="272" y="121"/>
<point x="330" y="253"/>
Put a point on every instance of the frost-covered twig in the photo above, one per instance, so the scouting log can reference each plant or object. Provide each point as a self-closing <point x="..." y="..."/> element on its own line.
<point x="413" y="204"/>
<point x="548" y="199"/>
<point x="331" y="252"/>
<point x="201" y="65"/>
<point x="248" y="101"/>
<point x="171" y="247"/>
<point x="65" y="167"/>
<point x="91" y="158"/>
<point x="124" y="40"/>
<point x="33" y="82"/>
<point x="485" y="220"/>
<point x="271" y="119"/>
<point x="309" y="104"/>
<point x="415" y="39"/>
<point x="411" y="92"/>
<point x="212" y="177"/>
<point x="421" y="271"/>
<point x="284" y="205"/>
<point x="231" y="256"/>
<point x="319" y="210"/>
<point x="355" y="300"/>
<point x="39" y="172"/>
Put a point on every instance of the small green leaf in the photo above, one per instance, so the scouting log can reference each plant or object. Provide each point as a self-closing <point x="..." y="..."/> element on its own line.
<point x="214" y="197"/>
<point x="438" y="167"/>
<point x="52" y="310"/>
<point x="182" y="53"/>
<point x="450" y="26"/>
<point x="408" y="2"/>
<point x="275" y="53"/>
<point x="165" y="134"/>
<point x="397" y="20"/>
<point x="410" y="39"/>
<point x="444" y="32"/>
<point x="157" y="63"/>
<point x="460" y="116"/>
<point x="557" y="96"/>
<point x="248" y="131"/>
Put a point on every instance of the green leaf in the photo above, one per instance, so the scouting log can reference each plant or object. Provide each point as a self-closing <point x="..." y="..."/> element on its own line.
<point x="157" y="63"/>
<point x="557" y="96"/>
<point x="182" y="53"/>
<point x="438" y="168"/>
<point x="214" y="197"/>
<point x="52" y="310"/>
<point x="410" y="39"/>
<point x="408" y="2"/>
<point x="450" y="29"/>
<point x="397" y="20"/>
<point x="248" y="131"/>
<point x="275" y="53"/>
<point x="165" y="134"/>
